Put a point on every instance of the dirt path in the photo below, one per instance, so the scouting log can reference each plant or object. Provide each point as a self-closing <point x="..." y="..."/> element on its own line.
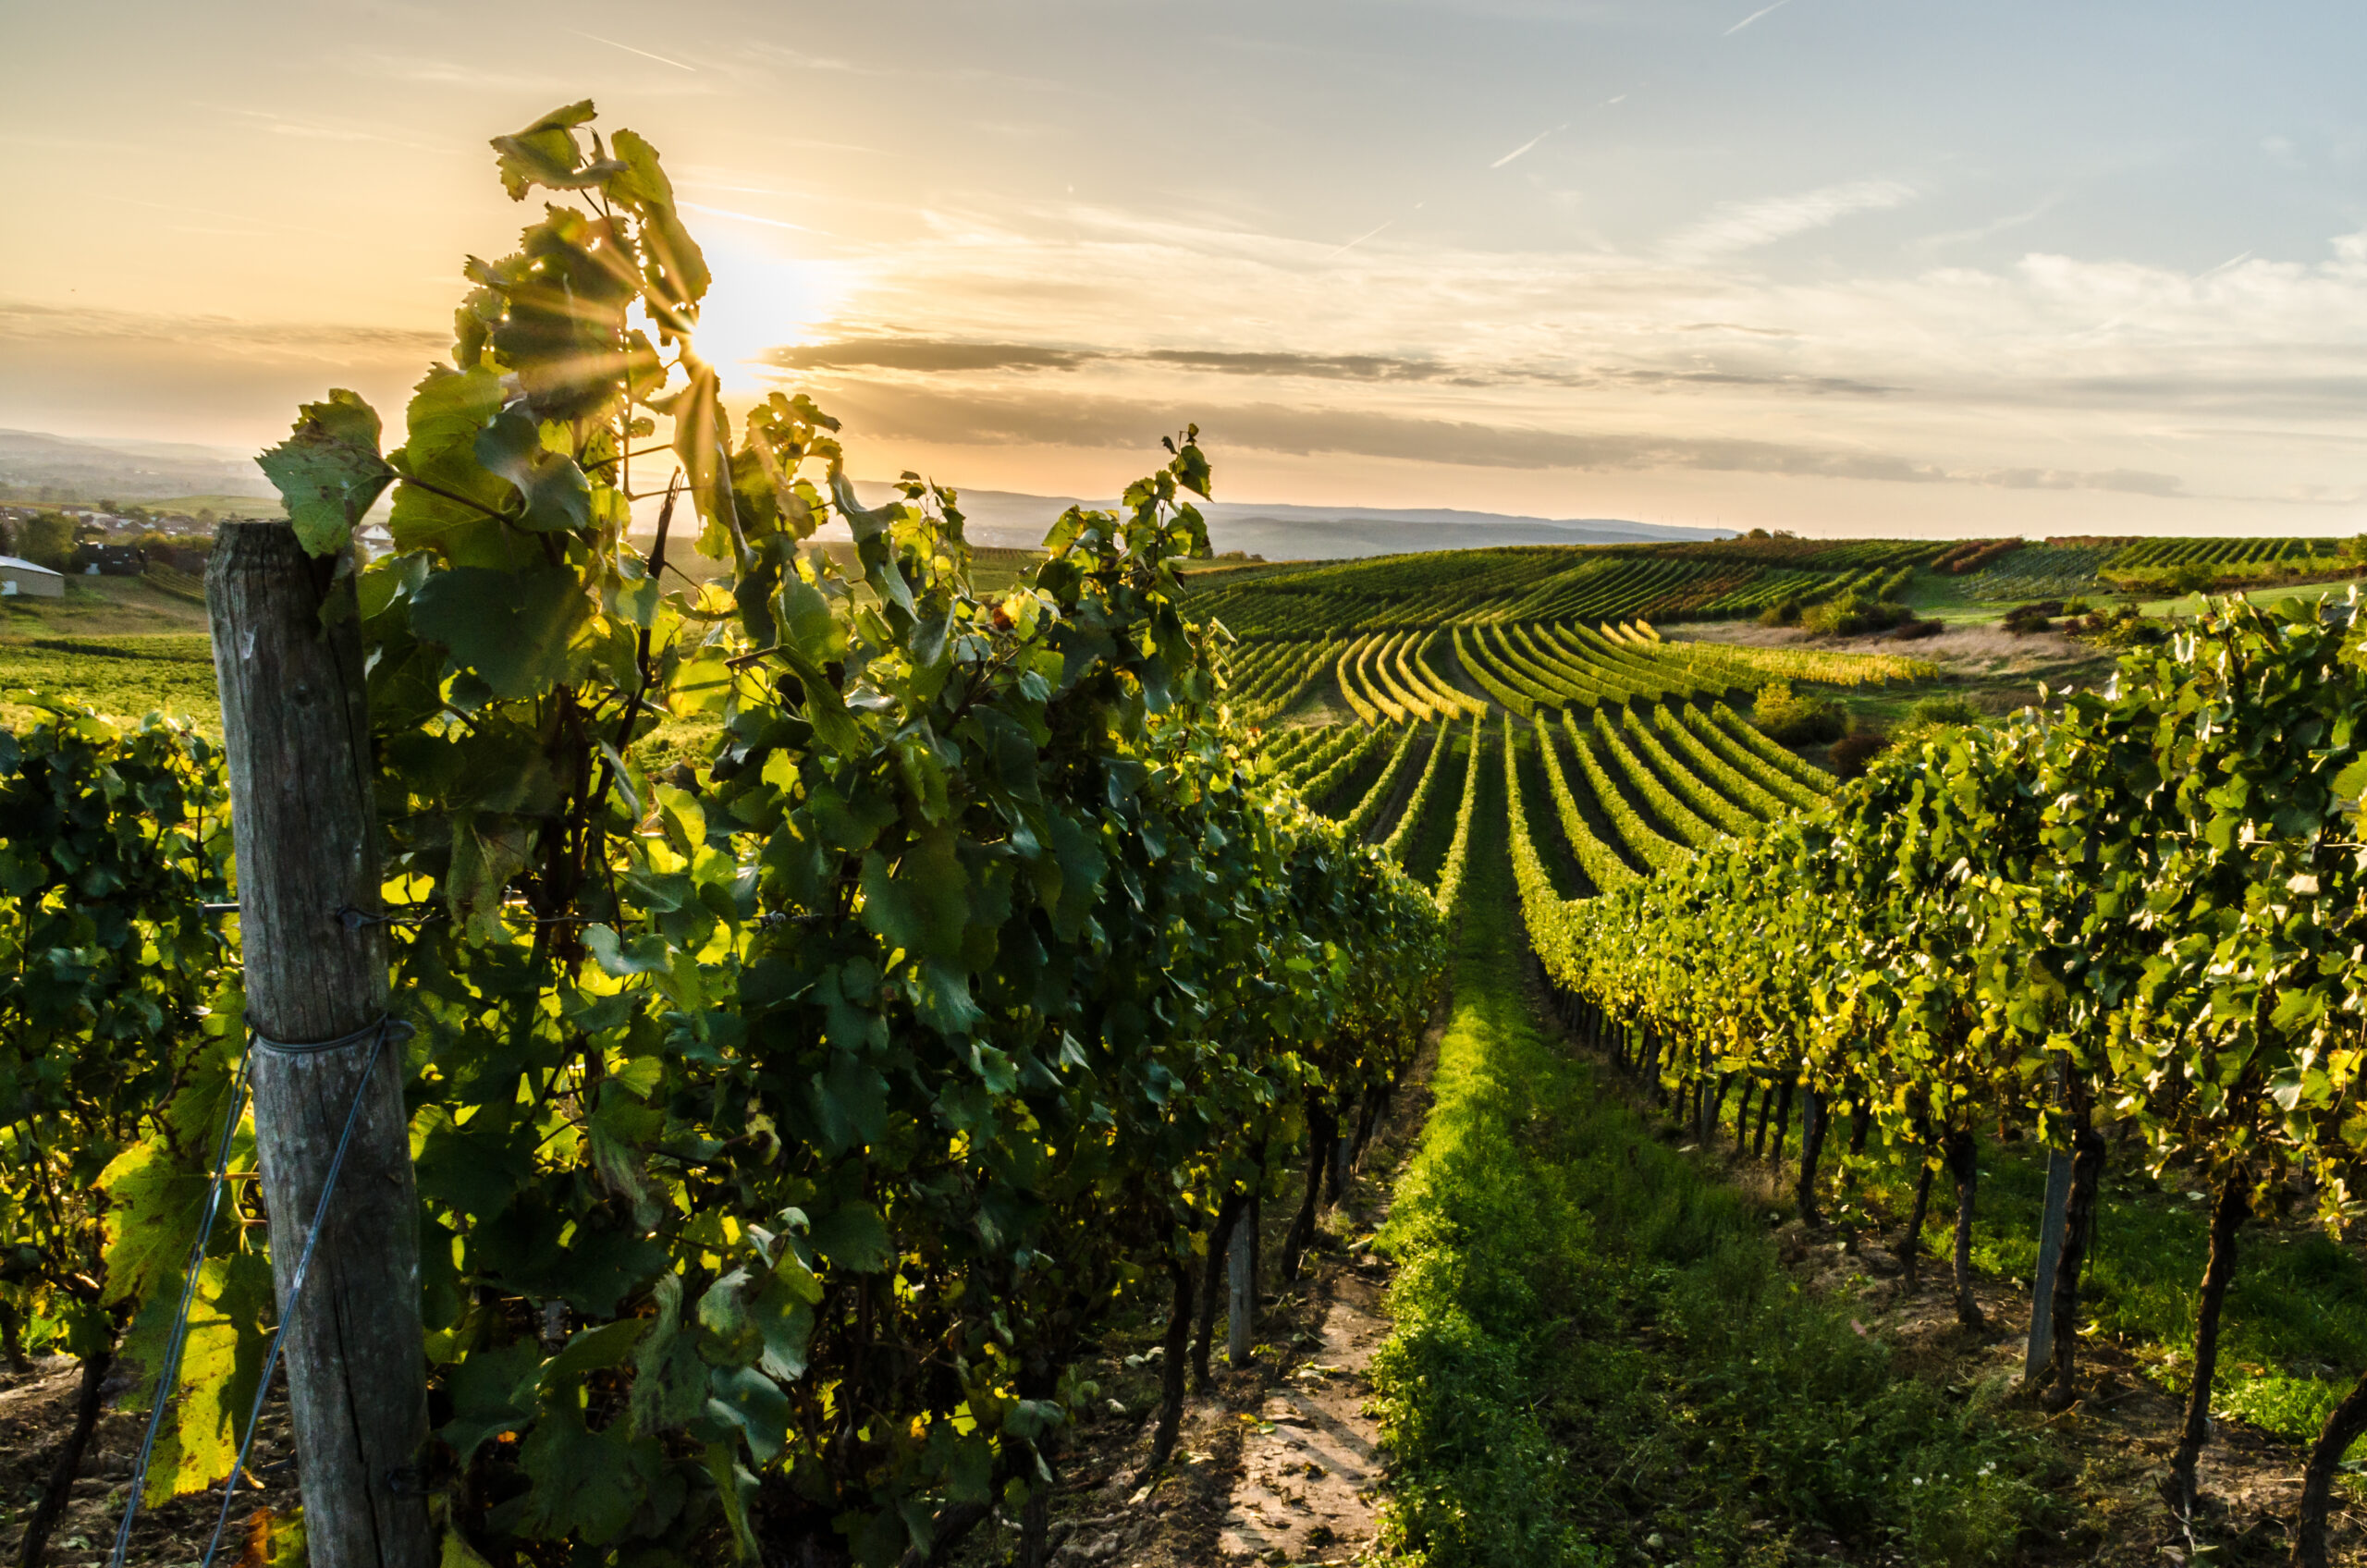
<point x="1280" y="1463"/>
<point x="1310" y="1466"/>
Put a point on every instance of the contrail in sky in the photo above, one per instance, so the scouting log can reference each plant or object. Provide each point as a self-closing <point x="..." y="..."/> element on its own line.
<point x="1360" y="238"/>
<point x="1533" y="141"/>
<point x="659" y="58"/>
<point x="1753" y="17"/>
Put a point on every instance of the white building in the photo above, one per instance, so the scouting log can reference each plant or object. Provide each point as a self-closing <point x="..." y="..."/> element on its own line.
<point x="22" y="577"/>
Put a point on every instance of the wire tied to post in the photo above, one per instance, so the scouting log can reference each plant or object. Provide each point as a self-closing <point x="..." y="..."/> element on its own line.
<point x="374" y="1035"/>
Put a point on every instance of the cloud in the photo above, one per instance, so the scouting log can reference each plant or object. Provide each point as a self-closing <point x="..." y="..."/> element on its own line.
<point x="2000" y="226"/>
<point x="1744" y="225"/>
<point x="926" y="356"/>
<point x="936" y="357"/>
<point x="24" y="323"/>
<point x="1325" y="367"/>
<point x="1055" y="419"/>
<point x="2126" y="482"/>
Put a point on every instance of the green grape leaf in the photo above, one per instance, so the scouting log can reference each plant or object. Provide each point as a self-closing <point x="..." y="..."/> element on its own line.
<point x="670" y="1379"/>
<point x="594" y="1350"/>
<point x="585" y="1483"/>
<point x="221" y="1362"/>
<point x="459" y="518"/>
<point x="456" y="1552"/>
<point x="556" y="495"/>
<point x="493" y="1391"/>
<point x="745" y="1398"/>
<point x="511" y="629"/>
<point x="328" y="472"/>
<point x="676" y="268"/>
<point x="854" y="1235"/>
<point x="921" y="906"/>
<point x="548" y="154"/>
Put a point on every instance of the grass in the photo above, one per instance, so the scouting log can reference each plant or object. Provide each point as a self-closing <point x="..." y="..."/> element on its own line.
<point x="122" y="677"/>
<point x="107" y="606"/>
<point x="2294" y="1329"/>
<point x="2307" y="592"/>
<point x="1598" y="1357"/>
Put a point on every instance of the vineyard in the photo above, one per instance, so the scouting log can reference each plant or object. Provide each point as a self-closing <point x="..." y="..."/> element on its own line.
<point x="587" y="1047"/>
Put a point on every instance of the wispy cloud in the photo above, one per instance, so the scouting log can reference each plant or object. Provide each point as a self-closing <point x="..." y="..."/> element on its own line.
<point x="1983" y="231"/>
<point x="1049" y="417"/>
<point x="1764" y="10"/>
<point x="1745" y="226"/>
<point x="1526" y="145"/>
<point x="746" y="217"/>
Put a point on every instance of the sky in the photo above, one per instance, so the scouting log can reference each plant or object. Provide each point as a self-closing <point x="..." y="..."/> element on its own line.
<point x="1844" y="266"/>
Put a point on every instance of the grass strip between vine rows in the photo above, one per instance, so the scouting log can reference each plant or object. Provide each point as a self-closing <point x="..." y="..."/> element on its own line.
<point x="1595" y="1345"/>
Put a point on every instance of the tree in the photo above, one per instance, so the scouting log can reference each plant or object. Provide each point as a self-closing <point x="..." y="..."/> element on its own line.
<point x="47" y="539"/>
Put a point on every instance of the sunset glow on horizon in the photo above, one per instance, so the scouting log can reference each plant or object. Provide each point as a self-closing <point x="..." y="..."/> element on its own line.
<point x="1835" y="267"/>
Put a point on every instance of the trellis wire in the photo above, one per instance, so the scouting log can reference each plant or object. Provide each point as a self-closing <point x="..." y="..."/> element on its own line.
<point x="376" y="1035"/>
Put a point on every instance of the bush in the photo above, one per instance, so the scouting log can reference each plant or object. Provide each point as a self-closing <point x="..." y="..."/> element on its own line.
<point x="1853" y="752"/>
<point x="1853" y="614"/>
<point x="1784" y="612"/>
<point x="1793" y="720"/>
<point x="2128" y="629"/>
<point x="2024" y="620"/>
<point x="1946" y="710"/>
<point x="1915" y="631"/>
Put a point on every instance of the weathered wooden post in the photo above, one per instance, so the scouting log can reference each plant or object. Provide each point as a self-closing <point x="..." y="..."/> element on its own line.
<point x="296" y="733"/>
<point x="1240" y="1270"/>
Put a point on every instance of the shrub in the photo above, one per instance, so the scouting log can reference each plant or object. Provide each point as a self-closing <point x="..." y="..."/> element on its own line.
<point x="1793" y="720"/>
<point x="1915" y="631"/>
<point x="1853" y="752"/>
<point x="1853" y="614"/>
<point x="2023" y="620"/>
<point x="1946" y="710"/>
<point x="2128" y="629"/>
<point x="1784" y="612"/>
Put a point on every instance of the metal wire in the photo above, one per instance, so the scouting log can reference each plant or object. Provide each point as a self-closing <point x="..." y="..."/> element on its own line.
<point x="169" y="1374"/>
<point x="376" y="1035"/>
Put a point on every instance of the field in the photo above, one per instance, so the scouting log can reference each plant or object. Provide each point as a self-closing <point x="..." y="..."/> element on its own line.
<point x="1660" y="1286"/>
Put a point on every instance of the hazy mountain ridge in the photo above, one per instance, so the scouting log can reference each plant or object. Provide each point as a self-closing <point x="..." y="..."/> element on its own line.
<point x="64" y="467"/>
<point x="1302" y="532"/>
<point x="37" y="466"/>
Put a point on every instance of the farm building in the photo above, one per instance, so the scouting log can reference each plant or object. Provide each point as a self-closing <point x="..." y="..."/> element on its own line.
<point x="34" y="582"/>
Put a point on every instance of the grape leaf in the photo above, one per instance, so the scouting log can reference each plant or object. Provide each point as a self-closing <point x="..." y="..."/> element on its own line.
<point x="511" y="629"/>
<point x="328" y="472"/>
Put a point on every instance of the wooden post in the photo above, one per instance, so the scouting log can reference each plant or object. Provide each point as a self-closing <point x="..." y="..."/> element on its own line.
<point x="2051" y="1214"/>
<point x="295" y="734"/>
<point x="1241" y="1270"/>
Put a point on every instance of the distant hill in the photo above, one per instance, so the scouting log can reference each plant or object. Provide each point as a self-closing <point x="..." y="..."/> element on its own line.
<point x="39" y="466"/>
<point x="1296" y="532"/>
<point x="36" y="467"/>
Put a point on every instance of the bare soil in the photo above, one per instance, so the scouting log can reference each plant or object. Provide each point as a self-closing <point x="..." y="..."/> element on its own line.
<point x="36" y="1414"/>
<point x="1280" y="1463"/>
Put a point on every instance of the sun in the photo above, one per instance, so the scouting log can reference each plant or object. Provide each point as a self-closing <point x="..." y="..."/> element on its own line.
<point x="763" y="298"/>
